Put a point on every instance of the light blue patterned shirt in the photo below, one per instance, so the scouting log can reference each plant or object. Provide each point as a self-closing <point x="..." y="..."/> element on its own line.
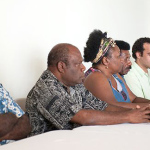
<point x="7" y="104"/>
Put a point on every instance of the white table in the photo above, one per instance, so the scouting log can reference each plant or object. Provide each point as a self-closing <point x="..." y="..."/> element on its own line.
<point x="110" y="137"/>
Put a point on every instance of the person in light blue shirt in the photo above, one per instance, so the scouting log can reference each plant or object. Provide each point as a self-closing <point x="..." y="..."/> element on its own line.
<point x="14" y="124"/>
<point x="138" y="78"/>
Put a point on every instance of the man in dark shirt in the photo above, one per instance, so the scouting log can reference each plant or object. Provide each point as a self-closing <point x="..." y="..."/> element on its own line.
<point x="60" y="101"/>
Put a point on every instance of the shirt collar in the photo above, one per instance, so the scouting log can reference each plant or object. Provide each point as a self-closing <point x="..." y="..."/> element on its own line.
<point x="54" y="77"/>
<point x="60" y="83"/>
<point x="140" y="70"/>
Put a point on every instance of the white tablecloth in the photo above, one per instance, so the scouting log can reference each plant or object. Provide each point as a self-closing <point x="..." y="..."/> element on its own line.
<point x="110" y="137"/>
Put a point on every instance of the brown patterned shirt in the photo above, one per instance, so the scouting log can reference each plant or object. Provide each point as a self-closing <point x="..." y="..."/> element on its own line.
<point x="51" y="107"/>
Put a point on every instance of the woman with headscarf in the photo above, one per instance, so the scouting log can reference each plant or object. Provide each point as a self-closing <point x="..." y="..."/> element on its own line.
<point x="102" y="78"/>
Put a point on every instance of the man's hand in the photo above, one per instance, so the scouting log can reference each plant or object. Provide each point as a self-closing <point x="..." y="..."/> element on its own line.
<point x="139" y="115"/>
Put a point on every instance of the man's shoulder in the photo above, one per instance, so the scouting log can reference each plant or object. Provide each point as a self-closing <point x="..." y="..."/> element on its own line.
<point x="47" y="83"/>
<point x="1" y="87"/>
<point x="47" y="75"/>
<point x="46" y="79"/>
<point x="3" y="92"/>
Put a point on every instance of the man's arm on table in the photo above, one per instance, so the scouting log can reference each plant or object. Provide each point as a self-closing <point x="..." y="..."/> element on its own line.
<point x="7" y="122"/>
<point x="20" y="130"/>
<point x="112" y="115"/>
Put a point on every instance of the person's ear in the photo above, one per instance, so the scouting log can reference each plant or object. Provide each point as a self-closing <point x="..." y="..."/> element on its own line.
<point x="138" y="55"/>
<point x="61" y="66"/>
<point x="105" y="61"/>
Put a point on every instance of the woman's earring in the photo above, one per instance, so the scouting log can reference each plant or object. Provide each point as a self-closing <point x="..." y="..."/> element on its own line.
<point x="106" y="67"/>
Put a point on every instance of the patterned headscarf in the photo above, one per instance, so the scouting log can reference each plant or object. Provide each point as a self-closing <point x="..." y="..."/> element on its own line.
<point x="105" y="45"/>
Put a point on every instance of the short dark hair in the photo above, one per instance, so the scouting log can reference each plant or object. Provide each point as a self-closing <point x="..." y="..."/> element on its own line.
<point x="92" y="46"/>
<point x="138" y="46"/>
<point x="122" y="45"/>
<point x="58" y="53"/>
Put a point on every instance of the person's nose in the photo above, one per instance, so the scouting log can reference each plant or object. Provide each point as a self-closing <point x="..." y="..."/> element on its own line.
<point x="129" y="62"/>
<point x="83" y="68"/>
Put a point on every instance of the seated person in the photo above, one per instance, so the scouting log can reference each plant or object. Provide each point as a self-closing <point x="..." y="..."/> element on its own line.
<point x="14" y="124"/>
<point x="107" y="84"/>
<point x="59" y="101"/>
<point x="125" y="57"/>
<point x="138" y="78"/>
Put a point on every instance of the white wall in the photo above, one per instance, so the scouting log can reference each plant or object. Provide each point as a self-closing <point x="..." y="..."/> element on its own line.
<point x="30" y="28"/>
